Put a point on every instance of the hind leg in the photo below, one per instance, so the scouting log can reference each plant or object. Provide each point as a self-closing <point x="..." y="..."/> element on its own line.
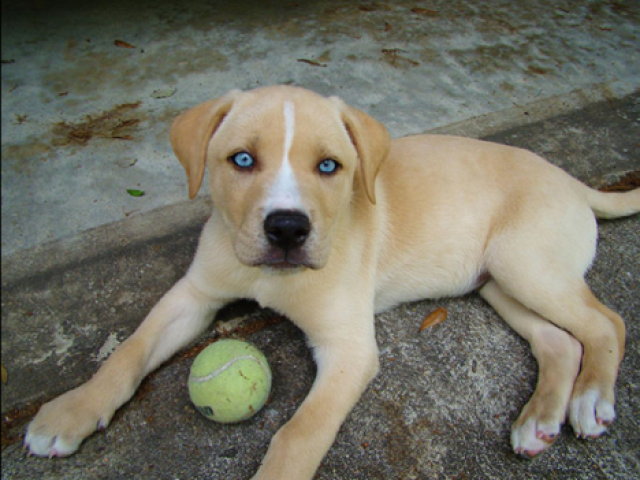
<point x="591" y="409"/>
<point x="602" y="335"/>
<point x="558" y="355"/>
<point x="539" y="257"/>
<point x="569" y="304"/>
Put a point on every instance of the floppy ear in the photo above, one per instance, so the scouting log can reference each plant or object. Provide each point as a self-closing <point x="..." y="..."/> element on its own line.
<point x="191" y="132"/>
<point x="372" y="143"/>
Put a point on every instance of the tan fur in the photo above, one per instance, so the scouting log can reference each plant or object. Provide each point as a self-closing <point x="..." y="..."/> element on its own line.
<point x="418" y="217"/>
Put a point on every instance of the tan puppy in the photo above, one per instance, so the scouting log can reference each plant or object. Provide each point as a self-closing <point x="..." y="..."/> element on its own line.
<point x="320" y="216"/>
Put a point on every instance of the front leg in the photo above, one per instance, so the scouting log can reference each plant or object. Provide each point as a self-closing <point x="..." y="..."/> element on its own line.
<point x="62" y="424"/>
<point x="347" y="362"/>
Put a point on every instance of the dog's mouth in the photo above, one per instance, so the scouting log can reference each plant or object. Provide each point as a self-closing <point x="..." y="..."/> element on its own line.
<point x="285" y="260"/>
<point x="284" y="265"/>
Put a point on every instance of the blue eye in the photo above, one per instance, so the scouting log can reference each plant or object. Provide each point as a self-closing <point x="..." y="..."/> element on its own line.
<point x="243" y="160"/>
<point x="328" y="166"/>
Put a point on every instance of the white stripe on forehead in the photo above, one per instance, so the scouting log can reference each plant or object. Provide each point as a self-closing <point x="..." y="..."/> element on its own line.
<point x="284" y="193"/>
<point x="289" y="127"/>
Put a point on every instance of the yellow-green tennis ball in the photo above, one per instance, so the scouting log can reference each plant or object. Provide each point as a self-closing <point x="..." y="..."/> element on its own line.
<point x="230" y="380"/>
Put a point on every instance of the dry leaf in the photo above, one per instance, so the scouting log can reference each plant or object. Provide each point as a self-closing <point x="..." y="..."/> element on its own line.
<point x="628" y="181"/>
<point x="536" y="70"/>
<point x="127" y="123"/>
<point x="394" y="55"/>
<point x="439" y="315"/>
<point x="387" y="26"/>
<point x="126" y="162"/>
<point x="5" y="375"/>
<point x="164" y="92"/>
<point x="312" y="62"/>
<point x="424" y="11"/>
<point x="122" y="44"/>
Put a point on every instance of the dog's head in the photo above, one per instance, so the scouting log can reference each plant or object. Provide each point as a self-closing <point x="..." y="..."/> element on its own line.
<point x="284" y="164"/>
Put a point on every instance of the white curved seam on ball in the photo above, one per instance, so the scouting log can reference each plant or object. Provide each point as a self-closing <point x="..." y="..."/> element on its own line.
<point x="228" y="365"/>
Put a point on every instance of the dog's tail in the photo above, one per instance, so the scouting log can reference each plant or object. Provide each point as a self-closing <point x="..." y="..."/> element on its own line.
<point x="613" y="204"/>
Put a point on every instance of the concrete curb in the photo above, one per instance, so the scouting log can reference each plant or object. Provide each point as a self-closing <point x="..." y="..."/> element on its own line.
<point x="98" y="241"/>
<point x="166" y="220"/>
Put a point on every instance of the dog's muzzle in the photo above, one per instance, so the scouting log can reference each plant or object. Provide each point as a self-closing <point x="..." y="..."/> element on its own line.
<point x="287" y="231"/>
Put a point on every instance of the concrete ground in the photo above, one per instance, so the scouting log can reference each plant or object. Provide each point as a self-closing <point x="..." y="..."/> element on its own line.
<point x="83" y="120"/>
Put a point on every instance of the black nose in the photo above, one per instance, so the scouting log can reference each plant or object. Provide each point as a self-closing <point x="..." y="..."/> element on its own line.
<point x="287" y="229"/>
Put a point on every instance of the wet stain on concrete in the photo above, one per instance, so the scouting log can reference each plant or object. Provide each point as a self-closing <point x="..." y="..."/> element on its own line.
<point x="205" y="43"/>
<point x="119" y="123"/>
<point x="100" y="70"/>
<point x="18" y="157"/>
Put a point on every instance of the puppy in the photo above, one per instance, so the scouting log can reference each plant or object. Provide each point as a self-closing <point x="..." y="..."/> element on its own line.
<point x="320" y="216"/>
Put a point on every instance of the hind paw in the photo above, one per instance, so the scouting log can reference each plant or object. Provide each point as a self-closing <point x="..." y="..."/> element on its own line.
<point x="590" y="414"/>
<point x="533" y="437"/>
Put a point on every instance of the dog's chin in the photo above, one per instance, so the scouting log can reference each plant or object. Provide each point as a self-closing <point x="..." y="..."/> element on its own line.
<point x="281" y="269"/>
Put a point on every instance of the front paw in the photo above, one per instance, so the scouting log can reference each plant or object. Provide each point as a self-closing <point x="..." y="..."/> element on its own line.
<point x="62" y="424"/>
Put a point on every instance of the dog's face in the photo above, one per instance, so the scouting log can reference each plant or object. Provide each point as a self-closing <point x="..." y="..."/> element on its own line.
<point x="284" y="164"/>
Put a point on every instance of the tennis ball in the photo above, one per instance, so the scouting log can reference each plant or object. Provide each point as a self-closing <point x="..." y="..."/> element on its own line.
<point x="230" y="380"/>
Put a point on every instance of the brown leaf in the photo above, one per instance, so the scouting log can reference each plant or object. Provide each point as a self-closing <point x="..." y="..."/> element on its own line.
<point x="424" y="11"/>
<point x="127" y="123"/>
<point x="5" y="374"/>
<point x="387" y="26"/>
<point x="312" y="62"/>
<point x="393" y="55"/>
<point x="629" y="181"/>
<point x="164" y="92"/>
<point x="123" y="44"/>
<point x="439" y="315"/>
<point x="536" y="70"/>
<point x="128" y="106"/>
